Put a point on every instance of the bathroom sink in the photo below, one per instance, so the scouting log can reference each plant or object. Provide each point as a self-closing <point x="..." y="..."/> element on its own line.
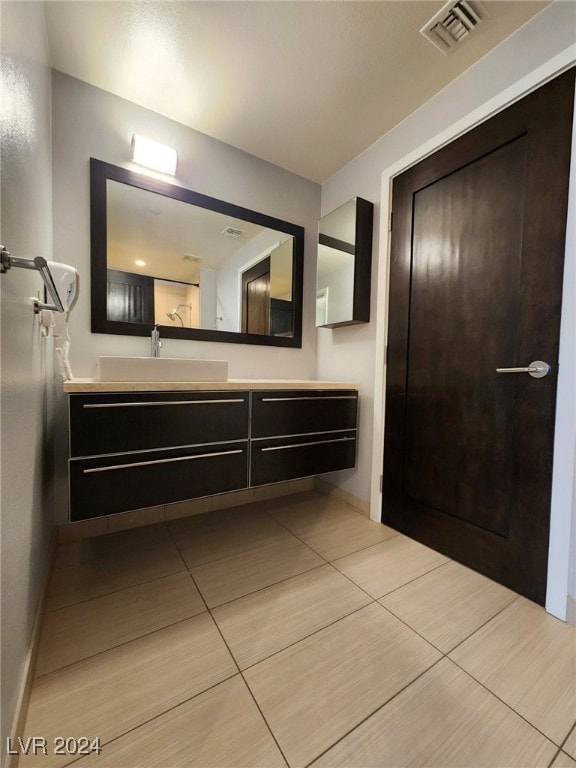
<point x="161" y="369"/>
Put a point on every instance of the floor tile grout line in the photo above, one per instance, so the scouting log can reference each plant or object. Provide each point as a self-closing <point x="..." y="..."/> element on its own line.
<point x="325" y="563"/>
<point x="558" y="752"/>
<point x="298" y="538"/>
<point x="101" y="537"/>
<point x="415" y="579"/>
<point x="145" y="634"/>
<point x="570" y="730"/>
<point x="114" y="591"/>
<point x="318" y="496"/>
<point x="381" y="597"/>
<point x="509" y="706"/>
<point x="308" y="636"/>
<point x="236" y="554"/>
<point x="267" y="586"/>
<point x="340" y="557"/>
<point x="372" y="601"/>
<point x="353" y="582"/>
<point x="254" y="549"/>
<point x="155" y="717"/>
<point x="415" y="631"/>
<point x="241" y="674"/>
<point x="125" y="642"/>
<point x="236" y="662"/>
<point x="384" y="704"/>
<point x="264" y="719"/>
<point x="175" y="543"/>
<point x="369" y="546"/>
<point x="465" y="639"/>
<point x="330" y="562"/>
<point x="233" y="658"/>
<point x="118" y="645"/>
<point x="445" y="653"/>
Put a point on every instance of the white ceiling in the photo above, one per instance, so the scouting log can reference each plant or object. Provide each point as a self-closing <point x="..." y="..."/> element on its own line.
<point x="305" y="84"/>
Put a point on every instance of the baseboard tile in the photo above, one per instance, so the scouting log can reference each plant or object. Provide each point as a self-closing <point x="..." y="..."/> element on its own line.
<point x="11" y="761"/>
<point x="83" y="529"/>
<point x="190" y="508"/>
<point x="276" y="490"/>
<point x="327" y="489"/>
<point x="98" y="526"/>
<point x="571" y="610"/>
<point x="135" y="519"/>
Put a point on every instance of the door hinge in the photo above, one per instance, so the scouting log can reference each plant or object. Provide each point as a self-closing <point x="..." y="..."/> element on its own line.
<point x="381" y="481"/>
<point x="390" y="221"/>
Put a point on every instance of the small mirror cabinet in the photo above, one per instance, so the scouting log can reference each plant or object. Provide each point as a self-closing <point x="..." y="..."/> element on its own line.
<point x="344" y="265"/>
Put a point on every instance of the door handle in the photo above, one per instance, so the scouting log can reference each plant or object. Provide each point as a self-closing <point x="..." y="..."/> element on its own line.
<point x="537" y="369"/>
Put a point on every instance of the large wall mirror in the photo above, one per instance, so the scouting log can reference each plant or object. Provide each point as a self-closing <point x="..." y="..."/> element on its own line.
<point x="344" y="265"/>
<point x="197" y="267"/>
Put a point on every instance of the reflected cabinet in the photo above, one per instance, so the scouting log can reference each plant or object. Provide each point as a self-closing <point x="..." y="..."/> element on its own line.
<point x="344" y="265"/>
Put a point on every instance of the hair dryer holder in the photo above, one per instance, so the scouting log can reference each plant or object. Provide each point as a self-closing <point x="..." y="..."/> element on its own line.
<point x="40" y="265"/>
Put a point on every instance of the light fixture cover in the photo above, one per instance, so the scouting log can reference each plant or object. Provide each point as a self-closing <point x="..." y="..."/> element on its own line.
<point x="153" y="155"/>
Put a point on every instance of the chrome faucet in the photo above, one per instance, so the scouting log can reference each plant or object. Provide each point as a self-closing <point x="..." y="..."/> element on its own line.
<point x="155" y="343"/>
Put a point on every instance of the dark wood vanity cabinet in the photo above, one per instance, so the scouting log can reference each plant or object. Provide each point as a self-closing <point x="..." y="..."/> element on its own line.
<point x="118" y="483"/>
<point x="134" y="450"/>
<point x="120" y="422"/>
<point x="129" y="451"/>
<point x="298" y="433"/>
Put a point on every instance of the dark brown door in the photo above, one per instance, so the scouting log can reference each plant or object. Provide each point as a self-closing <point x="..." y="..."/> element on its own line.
<point x="256" y="298"/>
<point x="475" y="285"/>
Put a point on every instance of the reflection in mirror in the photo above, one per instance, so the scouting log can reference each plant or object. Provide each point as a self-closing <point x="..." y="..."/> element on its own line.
<point x="194" y="260"/>
<point x="344" y="263"/>
<point x="195" y="266"/>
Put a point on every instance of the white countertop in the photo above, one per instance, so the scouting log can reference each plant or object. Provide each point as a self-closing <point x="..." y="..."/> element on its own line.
<point x="93" y="385"/>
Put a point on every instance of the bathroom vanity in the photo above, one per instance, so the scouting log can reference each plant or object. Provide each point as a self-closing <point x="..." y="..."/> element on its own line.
<point x="135" y="445"/>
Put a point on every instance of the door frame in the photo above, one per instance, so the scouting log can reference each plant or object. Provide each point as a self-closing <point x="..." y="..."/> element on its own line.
<point x="564" y="459"/>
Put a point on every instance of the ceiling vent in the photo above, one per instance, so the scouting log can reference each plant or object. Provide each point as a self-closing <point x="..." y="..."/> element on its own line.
<point x="190" y="257"/>
<point x="233" y="232"/>
<point x="453" y="23"/>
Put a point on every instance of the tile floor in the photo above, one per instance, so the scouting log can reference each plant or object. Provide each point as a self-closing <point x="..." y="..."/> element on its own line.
<point x="295" y="632"/>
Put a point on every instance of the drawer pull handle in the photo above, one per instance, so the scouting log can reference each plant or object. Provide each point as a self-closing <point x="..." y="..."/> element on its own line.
<point x="160" y="461"/>
<point x="303" y="445"/>
<point x="288" y="399"/>
<point x="162" y="402"/>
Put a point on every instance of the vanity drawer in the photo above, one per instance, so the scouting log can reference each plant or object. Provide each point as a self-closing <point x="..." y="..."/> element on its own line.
<point x="297" y="412"/>
<point x="114" y="423"/>
<point x="274" y="460"/>
<point x="105" y="485"/>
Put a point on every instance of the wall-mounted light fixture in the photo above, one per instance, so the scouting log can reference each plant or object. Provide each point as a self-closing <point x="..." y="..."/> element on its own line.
<point x="153" y="155"/>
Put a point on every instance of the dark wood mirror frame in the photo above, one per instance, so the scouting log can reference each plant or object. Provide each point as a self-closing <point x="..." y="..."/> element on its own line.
<point x="100" y="173"/>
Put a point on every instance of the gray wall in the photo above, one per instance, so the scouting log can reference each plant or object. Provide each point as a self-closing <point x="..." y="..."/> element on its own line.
<point x="27" y="369"/>
<point x="89" y="122"/>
